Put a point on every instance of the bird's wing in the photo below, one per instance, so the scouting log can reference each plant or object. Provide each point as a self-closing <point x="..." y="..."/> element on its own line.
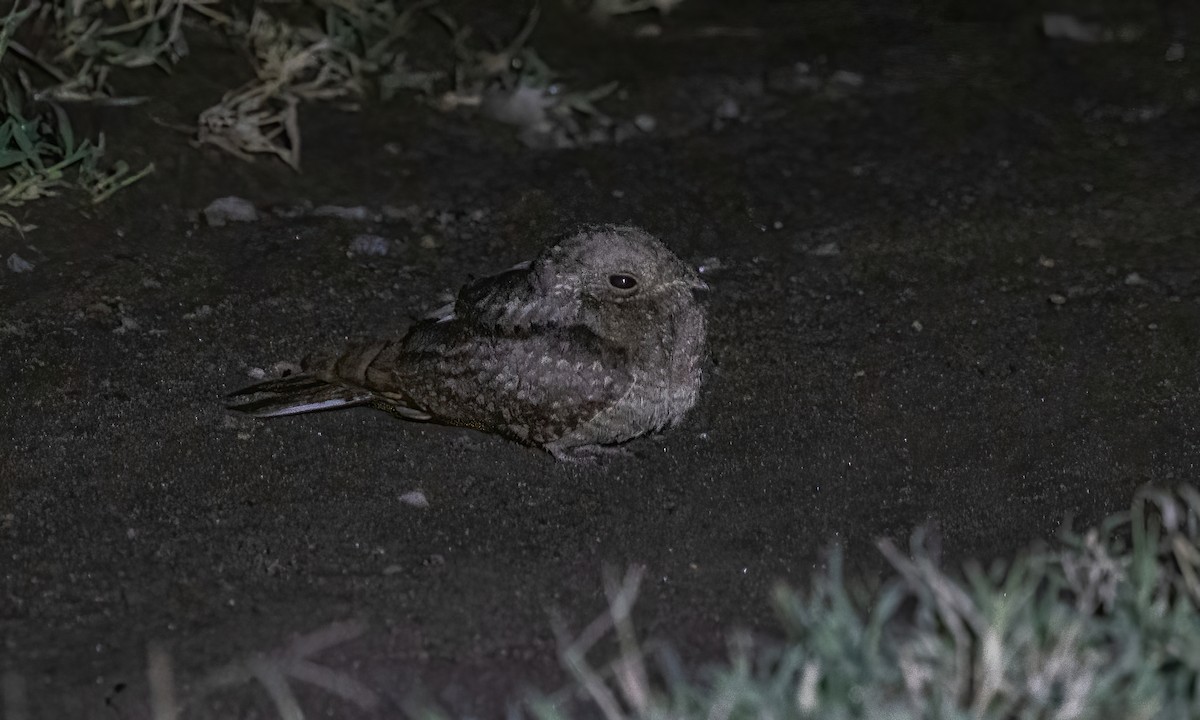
<point x="358" y="375"/>
<point x="513" y="301"/>
<point x="533" y="387"/>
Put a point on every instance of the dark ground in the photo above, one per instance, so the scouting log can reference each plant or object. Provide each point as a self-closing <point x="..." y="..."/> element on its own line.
<point x="921" y="373"/>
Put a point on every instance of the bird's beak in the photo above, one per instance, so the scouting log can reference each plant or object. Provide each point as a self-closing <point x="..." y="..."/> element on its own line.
<point x="699" y="284"/>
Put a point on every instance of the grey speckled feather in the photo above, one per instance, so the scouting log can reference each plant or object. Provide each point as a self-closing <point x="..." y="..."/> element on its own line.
<point x="596" y="341"/>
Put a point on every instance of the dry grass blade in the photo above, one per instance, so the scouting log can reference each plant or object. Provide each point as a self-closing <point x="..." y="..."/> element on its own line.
<point x="161" y="676"/>
<point x="273" y="670"/>
<point x="573" y="650"/>
<point x="953" y="606"/>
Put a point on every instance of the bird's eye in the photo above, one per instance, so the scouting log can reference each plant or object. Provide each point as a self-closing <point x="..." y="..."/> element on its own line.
<point x="622" y="282"/>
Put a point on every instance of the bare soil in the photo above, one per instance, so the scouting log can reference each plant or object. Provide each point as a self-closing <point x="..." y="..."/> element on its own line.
<point x="956" y="287"/>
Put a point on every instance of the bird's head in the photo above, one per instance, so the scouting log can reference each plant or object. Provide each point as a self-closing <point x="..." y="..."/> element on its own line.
<point x="615" y="265"/>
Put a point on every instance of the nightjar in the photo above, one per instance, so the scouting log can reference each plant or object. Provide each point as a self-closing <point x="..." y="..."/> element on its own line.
<point x="597" y="340"/>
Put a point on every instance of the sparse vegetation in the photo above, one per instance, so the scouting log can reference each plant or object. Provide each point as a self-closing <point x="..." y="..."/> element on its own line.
<point x="1101" y="625"/>
<point x="1104" y="625"/>
<point x="39" y="152"/>
<point x="56" y="53"/>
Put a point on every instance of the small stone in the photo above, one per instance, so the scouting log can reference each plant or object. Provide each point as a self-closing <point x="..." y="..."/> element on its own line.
<point x="293" y="211"/>
<point x="18" y="264"/>
<point x="918" y="325"/>
<point x="229" y="209"/>
<point x="256" y="373"/>
<point x="728" y="109"/>
<point x="1046" y="262"/>
<point x="828" y="249"/>
<point x="1134" y="278"/>
<point x="369" y="245"/>
<point x="1062" y="26"/>
<point x="199" y="313"/>
<point x="359" y="213"/>
<point x="847" y="78"/>
<point x="409" y="213"/>
<point x="648" y="30"/>
<point x="428" y="242"/>
<point x="1058" y="299"/>
<point x="416" y="498"/>
<point x="645" y="123"/>
<point x="127" y="324"/>
<point x="1175" y="52"/>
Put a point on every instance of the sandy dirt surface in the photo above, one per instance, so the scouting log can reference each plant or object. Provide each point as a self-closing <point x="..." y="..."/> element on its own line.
<point x="954" y="273"/>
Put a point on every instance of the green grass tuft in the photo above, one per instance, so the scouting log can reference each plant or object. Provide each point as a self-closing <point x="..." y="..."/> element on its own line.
<point x="39" y="153"/>
<point x="1103" y="625"/>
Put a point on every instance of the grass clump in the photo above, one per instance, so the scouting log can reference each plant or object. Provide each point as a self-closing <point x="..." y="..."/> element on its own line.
<point x="39" y="153"/>
<point x="1103" y="625"/>
<point x="59" y="53"/>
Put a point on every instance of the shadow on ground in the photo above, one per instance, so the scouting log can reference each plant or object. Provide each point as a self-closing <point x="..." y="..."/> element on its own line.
<point x="956" y="285"/>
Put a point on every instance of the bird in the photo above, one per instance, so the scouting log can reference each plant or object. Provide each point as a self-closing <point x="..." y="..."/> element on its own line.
<point x="601" y="338"/>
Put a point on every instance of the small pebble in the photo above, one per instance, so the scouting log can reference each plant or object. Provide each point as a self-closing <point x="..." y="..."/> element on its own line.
<point x="1135" y="279"/>
<point x="127" y="324"/>
<point x="18" y="264"/>
<point x="199" y="313"/>
<point x="728" y="109"/>
<point x="256" y="373"/>
<point x="918" y="325"/>
<point x="359" y="213"/>
<point x="229" y="209"/>
<point x="828" y="249"/>
<point x="416" y="498"/>
<point x="645" y="123"/>
<point x="648" y="30"/>
<point x="370" y="245"/>
<point x="847" y="78"/>
<point x="1058" y="299"/>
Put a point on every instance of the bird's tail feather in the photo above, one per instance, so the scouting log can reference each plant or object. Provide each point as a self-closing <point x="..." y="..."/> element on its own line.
<point x="298" y="394"/>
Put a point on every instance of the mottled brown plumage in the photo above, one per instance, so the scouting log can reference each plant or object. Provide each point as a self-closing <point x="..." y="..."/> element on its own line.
<point x="596" y="341"/>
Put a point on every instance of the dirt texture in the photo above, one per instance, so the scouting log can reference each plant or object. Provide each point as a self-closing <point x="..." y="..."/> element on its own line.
<point x="954" y="272"/>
